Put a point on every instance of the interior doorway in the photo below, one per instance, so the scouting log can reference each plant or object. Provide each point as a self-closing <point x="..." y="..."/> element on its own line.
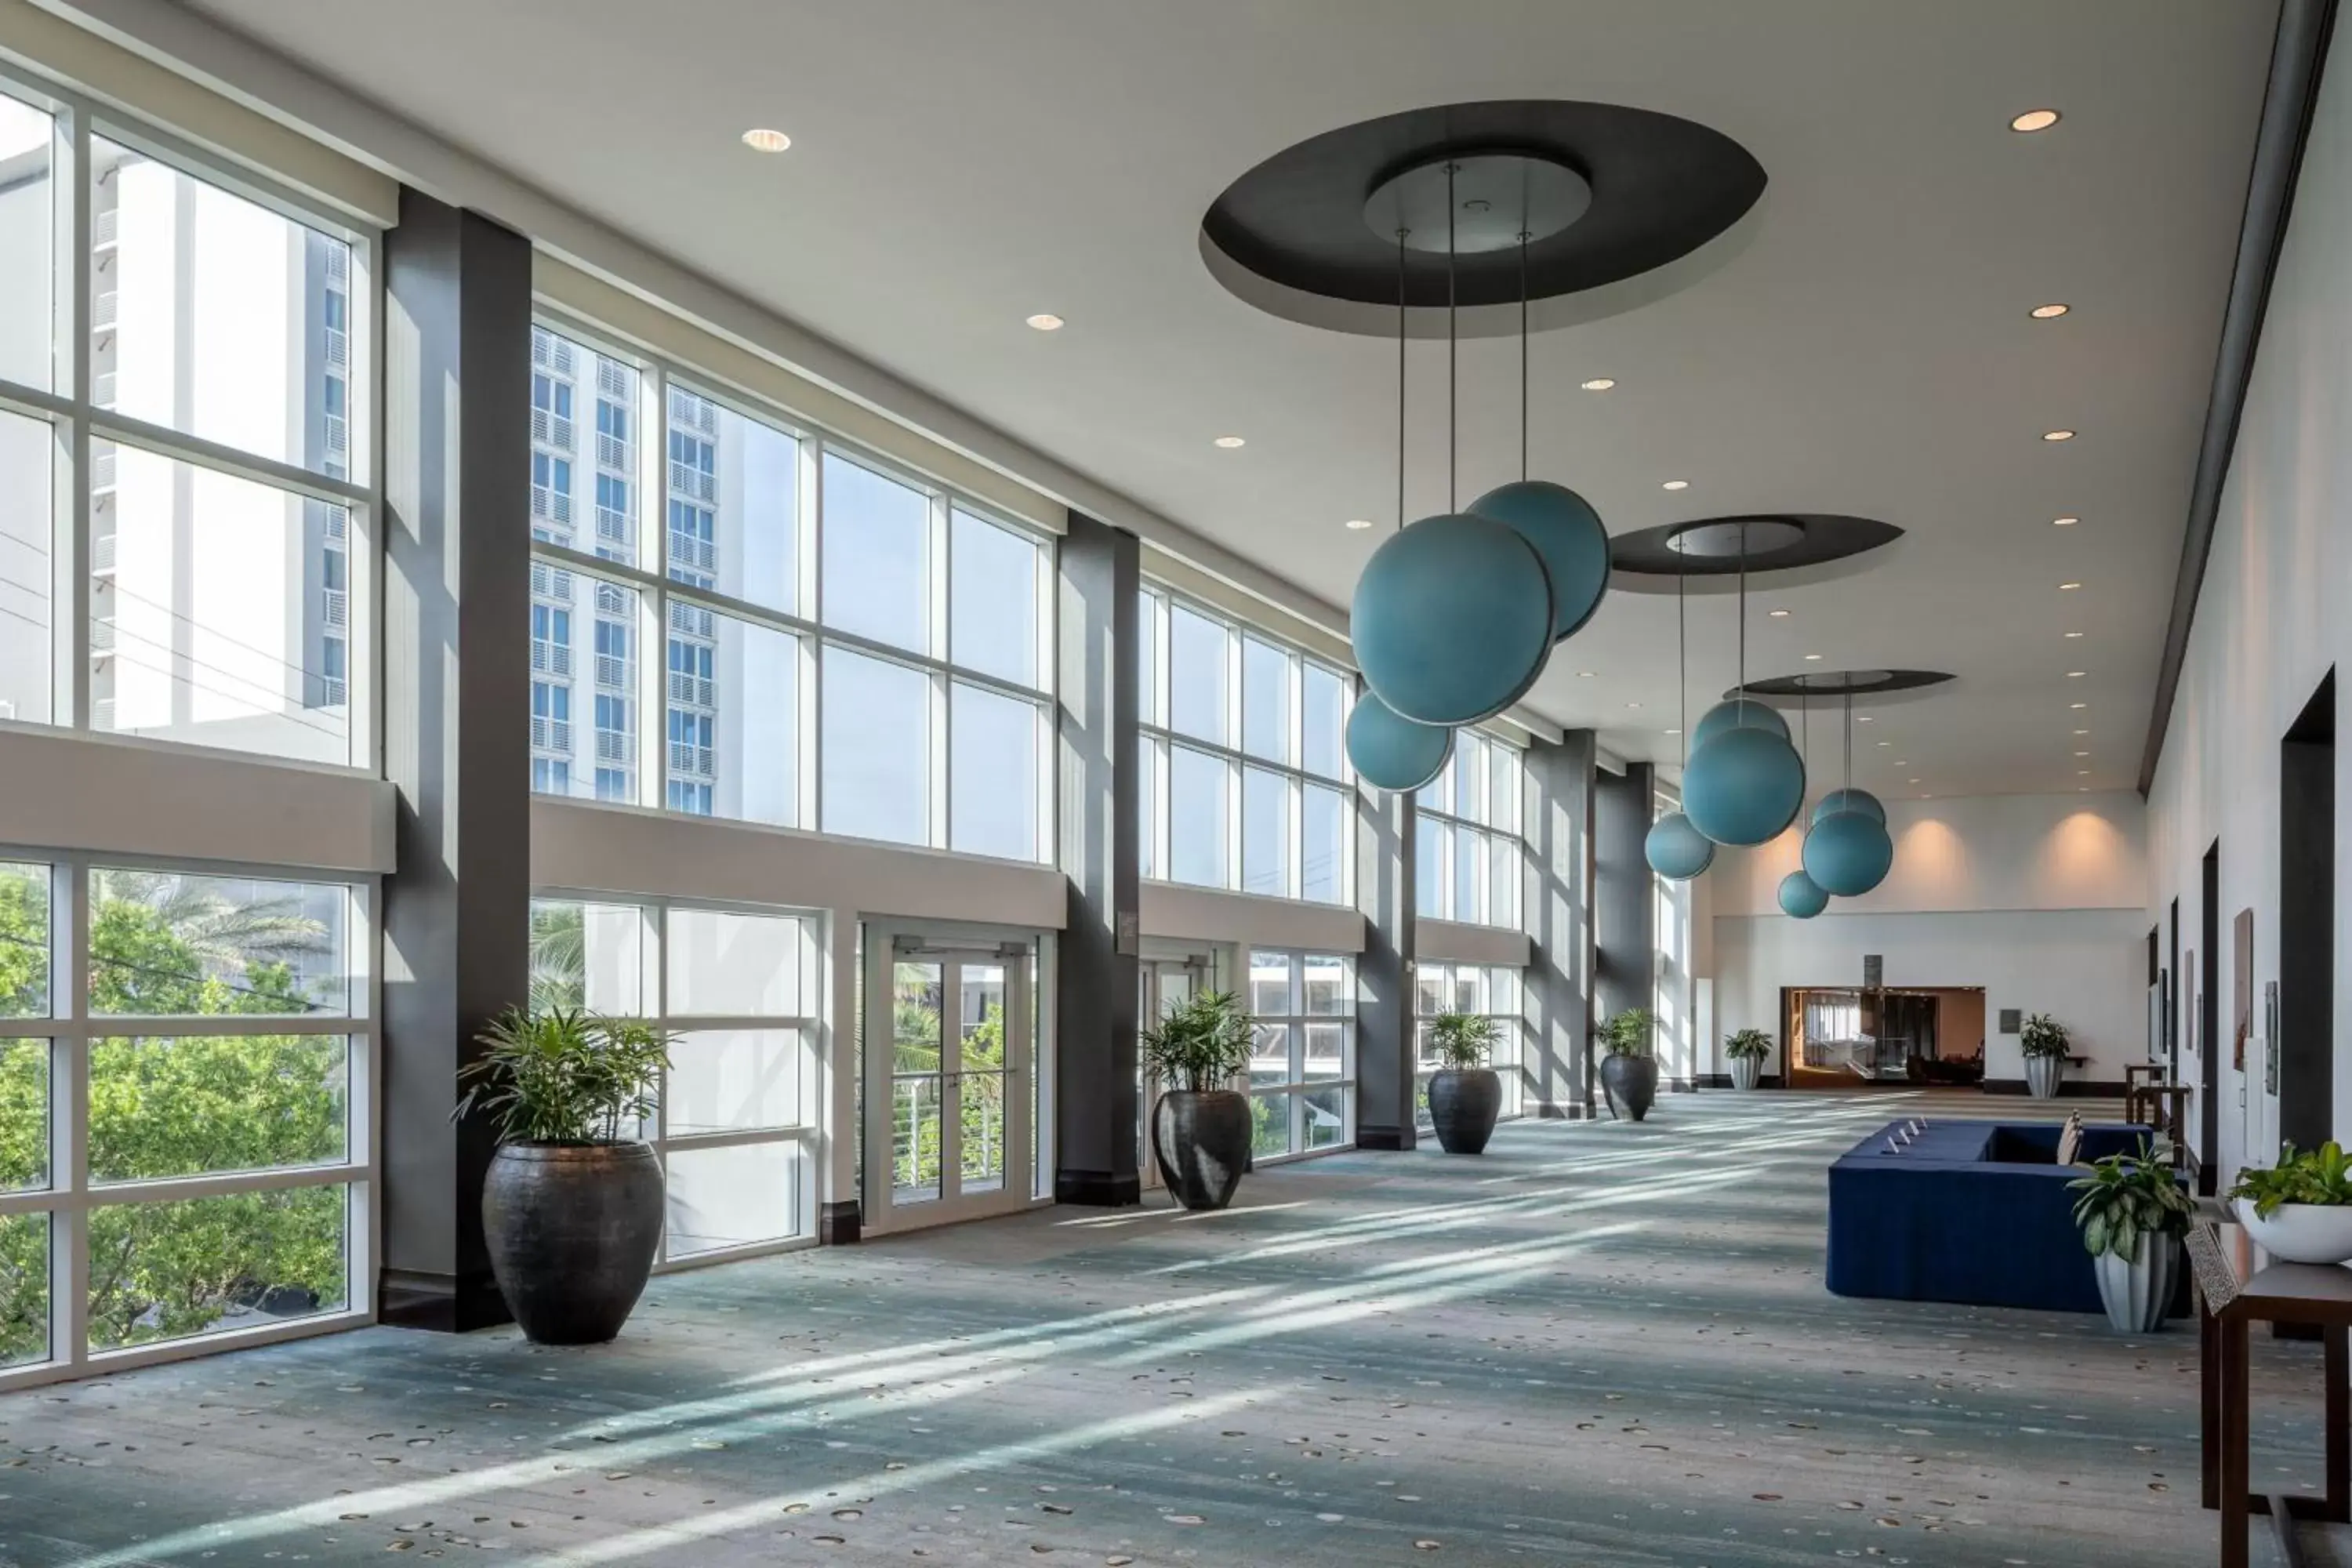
<point x="1849" y="1038"/>
<point x="949" y="1079"/>
<point x="2305" y="1086"/>
<point x="1164" y="983"/>
<point x="2209" y="1024"/>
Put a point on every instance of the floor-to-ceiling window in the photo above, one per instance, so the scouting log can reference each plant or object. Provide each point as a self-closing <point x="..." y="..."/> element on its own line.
<point x="1470" y="854"/>
<point x="1244" y="781"/>
<point x="737" y="1104"/>
<point x="185" y="1133"/>
<point x="1487" y="990"/>
<point x="823" y="640"/>
<point x="1681" y="1053"/>
<point x="1302" y="1070"/>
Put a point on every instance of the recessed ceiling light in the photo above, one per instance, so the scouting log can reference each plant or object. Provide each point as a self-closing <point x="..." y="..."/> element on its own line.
<point x="2050" y="313"/>
<point x="2082" y="732"/>
<point x="2082" y="753"/>
<point x="2073" y="634"/>
<point x="2068" y="587"/>
<point x="1586" y="674"/>
<point x="2035" y="119"/>
<point x="1903" y="763"/>
<point x="1915" y="780"/>
<point x="2057" y="435"/>
<point x="2082" y="773"/>
<point x="2064" y="521"/>
<point x="765" y="141"/>
<point x="1632" y="705"/>
<point x="1046" y="322"/>
<point x="1601" y="384"/>
<point x="2076" y="674"/>
<point x="1675" y="485"/>
<point x="1779" y="615"/>
<point x="1230" y="442"/>
<point x="1673" y="731"/>
<point x="1360" y="523"/>
<point x="1812" y="657"/>
<point x="2078" y="705"/>
<point x="1886" y="742"/>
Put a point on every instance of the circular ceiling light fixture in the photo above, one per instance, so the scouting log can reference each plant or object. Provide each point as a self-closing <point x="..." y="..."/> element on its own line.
<point x="1601" y="384"/>
<point x="1675" y="485"/>
<point x="2050" y="313"/>
<point x="760" y="139"/>
<point x="2035" y="119"/>
<point x="1046" y="322"/>
<point x="2064" y="521"/>
<point x="1358" y="524"/>
<point x="2057" y="435"/>
<point x="1231" y="443"/>
<point x="1778" y="614"/>
<point x="2068" y="587"/>
<point x="2076" y="674"/>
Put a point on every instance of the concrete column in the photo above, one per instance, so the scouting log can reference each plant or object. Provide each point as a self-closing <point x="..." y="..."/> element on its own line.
<point x="456" y="732"/>
<point x="1625" y="913"/>
<point x="1095" y="979"/>
<point x="1557" y="1051"/>
<point x="1385" y="895"/>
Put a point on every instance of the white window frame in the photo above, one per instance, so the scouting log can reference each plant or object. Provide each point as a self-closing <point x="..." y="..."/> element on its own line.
<point x="1292" y="1092"/>
<point x="70" y="1196"/>
<point x="807" y="623"/>
<point x="74" y="414"/>
<point x="1158" y="739"/>
<point x="653" y="988"/>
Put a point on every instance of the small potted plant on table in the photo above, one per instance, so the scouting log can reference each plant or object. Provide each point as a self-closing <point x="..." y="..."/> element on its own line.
<point x="2300" y="1210"/>
<point x="573" y="1204"/>
<point x="1201" y="1128"/>
<point x="1465" y="1094"/>
<point x="2133" y="1213"/>
<point x="1746" y="1049"/>
<point x="2044" y="1041"/>
<point x="1629" y="1073"/>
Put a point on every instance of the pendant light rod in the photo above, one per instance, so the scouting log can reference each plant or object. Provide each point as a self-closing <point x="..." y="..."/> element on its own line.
<point x="1401" y="237"/>
<point x="1849" y="737"/>
<point x="1682" y="648"/>
<point x="1743" y="621"/>
<point x="1523" y="357"/>
<point x="1452" y="354"/>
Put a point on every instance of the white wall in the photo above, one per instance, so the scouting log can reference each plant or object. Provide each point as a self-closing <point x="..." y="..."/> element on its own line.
<point x="2041" y="900"/>
<point x="2269" y="622"/>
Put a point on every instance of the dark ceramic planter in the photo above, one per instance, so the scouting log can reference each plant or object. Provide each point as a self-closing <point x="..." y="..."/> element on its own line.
<point x="1201" y="1139"/>
<point x="572" y="1230"/>
<point x="1462" y="1105"/>
<point x="1630" y="1083"/>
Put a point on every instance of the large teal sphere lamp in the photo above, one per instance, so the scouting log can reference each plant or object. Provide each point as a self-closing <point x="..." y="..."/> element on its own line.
<point x="1744" y="783"/>
<point x="1848" y="851"/>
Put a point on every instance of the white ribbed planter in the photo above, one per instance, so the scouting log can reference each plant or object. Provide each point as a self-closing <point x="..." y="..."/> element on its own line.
<point x="2136" y="1292"/>
<point x="2041" y="1076"/>
<point x="1746" y="1070"/>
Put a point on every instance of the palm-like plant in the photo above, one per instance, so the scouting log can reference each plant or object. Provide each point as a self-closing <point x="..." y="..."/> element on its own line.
<point x="219" y="929"/>
<point x="1201" y="1042"/>
<point x="1462" y="1040"/>
<point x="1627" y="1033"/>
<point x="563" y="1076"/>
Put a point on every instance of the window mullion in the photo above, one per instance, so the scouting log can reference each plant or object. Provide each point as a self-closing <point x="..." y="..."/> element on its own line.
<point x="71" y="313"/>
<point x="70" y="1100"/>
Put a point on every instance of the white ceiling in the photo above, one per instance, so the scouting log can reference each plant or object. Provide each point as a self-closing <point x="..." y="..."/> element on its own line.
<point x="956" y="166"/>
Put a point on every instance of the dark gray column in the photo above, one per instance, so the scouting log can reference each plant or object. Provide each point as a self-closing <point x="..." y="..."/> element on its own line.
<point x="456" y="732"/>
<point x="1625" y="913"/>
<point x="1385" y="825"/>
<point x="1557" y="1052"/>
<point x="1095" y="976"/>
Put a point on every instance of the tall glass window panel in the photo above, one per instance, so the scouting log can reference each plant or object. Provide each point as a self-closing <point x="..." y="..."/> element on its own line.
<point x="1197" y="786"/>
<point x="1503" y="775"/>
<point x="175" y="1270"/>
<point x="1323" y="704"/>
<point x="733" y="518"/>
<point x="211" y="608"/>
<point x="993" y="599"/>
<point x="27" y="248"/>
<point x="24" y="939"/>
<point x="28" y="450"/>
<point x="203" y="1104"/>
<point x="1431" y="891"/>
<point x="1147" y="659"/>
<point x="993" y="774"/>
<point x="1265" y="700"/>
<point x="1469" y="860"/>
<point x="173" y="944"/>
<point x="874" y="749"/>
<point x="877" y="534"/>
<point x="1148" y="753"/>
<point x="918" y="1080"/>
<point x="730" y="1195"/>
<point x="24" y="1125"/>
<point x="1323" y="1113"/>
<point x="1198" y="648"/>
<point x="725" y="964"/>
<point x="1328" y="992"/>
<point x="1469" y="795"/>
<point x="588" y="956"/>
<point x="1503" y="881"/>
<point x="1271" y="990"/>
<point x="732" y="1081"/>
<point x="214" y="316"/>
<point x="733" y="716"/>
<point x="1324" y="815"/>
<point x="1437" y="795"/>
<point x="24" y="1289"/>
<point x="586" y="641"/>
<point x="1266" y="833"/>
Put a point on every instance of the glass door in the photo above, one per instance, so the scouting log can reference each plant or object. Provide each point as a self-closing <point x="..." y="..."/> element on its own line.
<point x="948" y="1102"/>
<point x="1165" y="983"/>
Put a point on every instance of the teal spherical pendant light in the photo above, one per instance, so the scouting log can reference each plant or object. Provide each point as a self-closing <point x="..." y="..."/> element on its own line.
<point x="1739" y="713"/>
<point x="1802" y="897"/>
<point x="1849" y="852"/>
<point x="1675" y="849"/>
<point x="1390" y="750"/>
<point x="1744" y="783"/>
<point x="1859" y="800"/>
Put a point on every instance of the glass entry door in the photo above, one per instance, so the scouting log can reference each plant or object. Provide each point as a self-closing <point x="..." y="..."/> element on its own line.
<point x="1166" y="982"/>
<point x="948" y="1091"/>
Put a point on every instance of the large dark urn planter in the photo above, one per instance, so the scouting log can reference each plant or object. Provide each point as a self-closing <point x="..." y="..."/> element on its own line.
<point x="1462" y="1105"/>
<point x="1630" y="1083"/>
<point x="572" y="1228"/>
<point x="1201" y="1139"/>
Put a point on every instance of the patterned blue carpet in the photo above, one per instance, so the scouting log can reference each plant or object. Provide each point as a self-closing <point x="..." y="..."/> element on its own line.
<point x="1599" y="1344"/>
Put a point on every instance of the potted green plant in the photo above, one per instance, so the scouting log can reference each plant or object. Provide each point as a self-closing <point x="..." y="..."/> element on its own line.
<point x="1629" y="1073"/>
<point x="1201" y="1128"/>
<point x="2133" y="1213"/>
<point x="573" y="1204"/>
<point x="1745" y="1051"/>
<point x="2300" y="1210"/>
<point x="2044" y="1041"/>
<point x="1465" y="1094"/>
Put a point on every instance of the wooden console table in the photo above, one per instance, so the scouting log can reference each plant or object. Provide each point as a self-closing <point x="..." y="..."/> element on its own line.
<point x="2231" y="1293"/>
